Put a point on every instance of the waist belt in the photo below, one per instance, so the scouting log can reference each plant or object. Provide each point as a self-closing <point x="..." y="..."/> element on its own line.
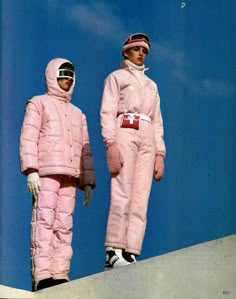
<point x="142" y="116"/>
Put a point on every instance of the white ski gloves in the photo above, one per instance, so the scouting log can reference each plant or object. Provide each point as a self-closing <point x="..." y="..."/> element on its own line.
<point x="33" y="183"/>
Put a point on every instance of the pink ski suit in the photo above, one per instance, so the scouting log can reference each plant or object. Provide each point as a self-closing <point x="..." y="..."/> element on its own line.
<point x="130" y="189"/>
<point x="55" y="142"/>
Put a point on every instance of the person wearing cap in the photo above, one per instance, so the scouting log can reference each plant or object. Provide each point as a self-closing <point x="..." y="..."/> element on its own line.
<point x="56" y="158"/>
<point x="132" y="130"/>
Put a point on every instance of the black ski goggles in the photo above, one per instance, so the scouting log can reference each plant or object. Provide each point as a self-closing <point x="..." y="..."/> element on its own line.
<point x="137" y="37"/>
<point x="65" y="74"/>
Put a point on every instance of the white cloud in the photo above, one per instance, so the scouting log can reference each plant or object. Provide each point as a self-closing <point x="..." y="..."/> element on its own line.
<point x="179" y="75"/>
<point x="97" y="18"/>
<point x="102" y="19"/>
<point x="167" y="53"/>
<point x="209" y="86"/>
<point x="219" y="88"/>
<point x="178" y="62"/>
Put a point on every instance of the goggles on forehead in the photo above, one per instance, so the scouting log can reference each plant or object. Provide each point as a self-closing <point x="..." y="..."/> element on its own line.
<point x="65" y="74"/>
<point x="137" y="37"/>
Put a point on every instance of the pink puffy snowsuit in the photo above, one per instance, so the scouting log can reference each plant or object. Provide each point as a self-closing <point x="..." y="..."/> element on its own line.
<point x="54" y="140"/>
<point x="130" y="189"/>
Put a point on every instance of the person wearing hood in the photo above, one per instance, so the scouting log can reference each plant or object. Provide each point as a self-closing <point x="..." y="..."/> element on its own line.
<point x="132" y="130"/>
<point x="56" y="158"/>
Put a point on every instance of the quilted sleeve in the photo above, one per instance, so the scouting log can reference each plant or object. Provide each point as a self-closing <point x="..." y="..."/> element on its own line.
<point x="29" y="138"/>
<point x="87" y="172"/>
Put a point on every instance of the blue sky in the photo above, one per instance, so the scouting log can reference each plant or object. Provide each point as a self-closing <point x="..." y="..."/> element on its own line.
<point x="192" y="59"/>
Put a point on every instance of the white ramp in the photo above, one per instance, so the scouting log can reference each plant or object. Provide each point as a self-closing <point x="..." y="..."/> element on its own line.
<point x="204" y="271"/>
<point x="7" y="292"/>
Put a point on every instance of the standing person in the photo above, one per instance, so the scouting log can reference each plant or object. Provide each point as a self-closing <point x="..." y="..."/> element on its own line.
<point x="132" y="130"/>
<point x="55" y="156"/>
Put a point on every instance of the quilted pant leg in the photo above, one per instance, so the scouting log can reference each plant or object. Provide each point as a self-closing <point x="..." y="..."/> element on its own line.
<point x="51" y="228"/>
<point x="43" y="216"/>
<point x="62" y="229"/>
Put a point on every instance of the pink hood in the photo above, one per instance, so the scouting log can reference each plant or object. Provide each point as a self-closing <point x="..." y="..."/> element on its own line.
<point x="51" y="80"/>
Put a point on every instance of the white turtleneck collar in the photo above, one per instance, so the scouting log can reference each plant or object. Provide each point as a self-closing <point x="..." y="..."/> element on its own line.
<point x="135" y="67"/>
<point x="137" y="70"/>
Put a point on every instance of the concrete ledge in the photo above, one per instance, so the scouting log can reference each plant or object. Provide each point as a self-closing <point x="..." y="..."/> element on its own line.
<point x="7" y="292"/>
<point x="204" y="271"/>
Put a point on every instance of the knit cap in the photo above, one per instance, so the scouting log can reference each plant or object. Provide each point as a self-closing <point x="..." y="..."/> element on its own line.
<point x="136" y="40"/>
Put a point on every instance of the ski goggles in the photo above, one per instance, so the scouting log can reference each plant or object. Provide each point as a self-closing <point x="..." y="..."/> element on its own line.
<point x="137" y="37"/>
<point x="65" y="74"/>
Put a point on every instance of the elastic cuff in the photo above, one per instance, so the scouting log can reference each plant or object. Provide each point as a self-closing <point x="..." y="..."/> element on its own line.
<point x="161" y="154"/>
<point x="30" y="170"/>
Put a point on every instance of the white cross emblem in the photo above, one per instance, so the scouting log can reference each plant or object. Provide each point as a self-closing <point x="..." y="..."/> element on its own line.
<point x="131" y="118"/>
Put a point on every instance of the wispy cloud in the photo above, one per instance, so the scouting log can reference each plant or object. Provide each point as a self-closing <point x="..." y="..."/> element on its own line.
<point x="219" y="88"/>
<point x="180" y="72"/>
<point x="98" y="18"/>
<point x="205" y="85"/>
<point x="168" y="53"/>
<point x="103" y="20"/>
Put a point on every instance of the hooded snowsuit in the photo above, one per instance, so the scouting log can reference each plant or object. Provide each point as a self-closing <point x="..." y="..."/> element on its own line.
<point x="54" y="142"/>
<point x="124" y="92"/>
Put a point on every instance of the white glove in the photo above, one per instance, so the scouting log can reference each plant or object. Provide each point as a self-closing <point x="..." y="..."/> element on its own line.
<point x="33" y="183"/>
